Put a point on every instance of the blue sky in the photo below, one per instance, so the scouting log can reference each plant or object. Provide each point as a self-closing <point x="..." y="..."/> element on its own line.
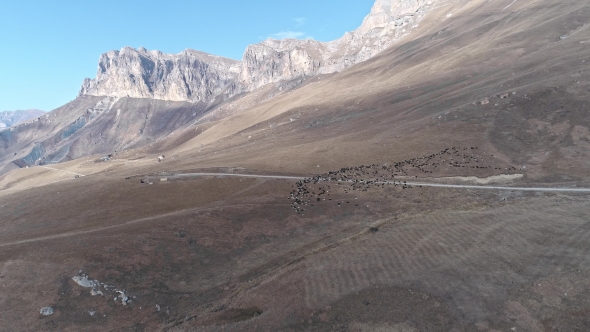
<point x="49" y="46"/>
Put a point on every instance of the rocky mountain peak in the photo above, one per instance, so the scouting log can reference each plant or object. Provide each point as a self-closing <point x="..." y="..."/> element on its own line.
<point x="276" y="60"/>
<point x="200" y="77"/>
<point x="391" y="13"/>
<point x="138" y="73"/>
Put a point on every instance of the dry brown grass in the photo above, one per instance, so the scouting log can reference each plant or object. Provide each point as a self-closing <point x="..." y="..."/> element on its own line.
<point x="209" y="250"/>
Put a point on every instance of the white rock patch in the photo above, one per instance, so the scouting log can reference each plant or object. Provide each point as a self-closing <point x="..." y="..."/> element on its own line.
<point x="46" y="311"/>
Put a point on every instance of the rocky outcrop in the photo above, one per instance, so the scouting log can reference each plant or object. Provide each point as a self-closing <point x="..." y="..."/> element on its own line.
<point x="137" y="73"/>
<point x="276" y="60"/>
<point x="195" y="76"/>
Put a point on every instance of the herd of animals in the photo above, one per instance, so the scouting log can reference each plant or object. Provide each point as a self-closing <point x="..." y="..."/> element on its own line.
<point x="347" y="180"/>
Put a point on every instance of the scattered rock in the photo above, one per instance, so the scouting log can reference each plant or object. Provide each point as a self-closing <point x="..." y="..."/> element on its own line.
<point x="124" y="298"/>
<point x="96" y="292"/>
<point x="85" y="282"/>
<point x="484" y="101"/>
<point x="105" y="158"/>
<point x="46" y="311"/>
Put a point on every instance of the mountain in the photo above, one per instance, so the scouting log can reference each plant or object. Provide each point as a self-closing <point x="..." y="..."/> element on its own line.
<point x="196" y="76"/>
<point x="276" y="60"/>
<point x="139" y="97"/>
<point x="11" y="118"/>
<point x="189" y="76"/>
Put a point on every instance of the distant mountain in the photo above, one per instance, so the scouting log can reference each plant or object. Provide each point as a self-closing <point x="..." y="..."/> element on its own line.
<point x="11" y="118"/>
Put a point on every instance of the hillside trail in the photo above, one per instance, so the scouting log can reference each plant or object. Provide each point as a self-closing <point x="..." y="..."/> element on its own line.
<point x="62" y="170"/>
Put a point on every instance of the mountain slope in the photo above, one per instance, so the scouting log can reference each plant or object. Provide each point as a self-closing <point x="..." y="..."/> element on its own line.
<point x="482" y="76"/>
<point x="132" y="82"/>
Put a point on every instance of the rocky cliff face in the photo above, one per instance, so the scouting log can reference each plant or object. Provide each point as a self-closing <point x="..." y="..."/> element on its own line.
<point x="189" y="76"/>
<point x="275" y="60"/>
<point x="195" y="76"/>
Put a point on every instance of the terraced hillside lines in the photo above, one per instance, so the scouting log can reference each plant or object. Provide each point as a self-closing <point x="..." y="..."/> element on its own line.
<point x="455" y="241"/>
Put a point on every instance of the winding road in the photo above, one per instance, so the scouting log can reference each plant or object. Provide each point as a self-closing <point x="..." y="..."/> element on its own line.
<point x="180" y="212"/>
<point x="415" y="184"/>
<point x="441" y="185"/>
<point x="189" y="175"/>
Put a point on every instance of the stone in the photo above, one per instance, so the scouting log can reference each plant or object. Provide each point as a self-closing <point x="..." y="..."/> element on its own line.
<point x="96" y="292"/>
<point x="277" y="60"/>
<point x="137" y="73"/>
<point x="85" y="282"/>
<point x="46" y="311"/>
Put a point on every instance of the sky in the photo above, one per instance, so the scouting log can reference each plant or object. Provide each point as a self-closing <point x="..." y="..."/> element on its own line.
<point x="47" y="48"/>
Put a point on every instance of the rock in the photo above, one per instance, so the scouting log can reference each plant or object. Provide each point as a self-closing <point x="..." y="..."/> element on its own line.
<point x="96" y="292"/>
<point x="137" y="73"/>
<point x="278" y="60"/>
<point x="85" y="282"/>
<point x="124" y="298"/>
<point x="484" y="101"/>
<point x="46" y="311"/>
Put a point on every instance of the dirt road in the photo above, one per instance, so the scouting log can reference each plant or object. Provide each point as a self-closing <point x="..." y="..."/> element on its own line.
<point x="439" y="185"/>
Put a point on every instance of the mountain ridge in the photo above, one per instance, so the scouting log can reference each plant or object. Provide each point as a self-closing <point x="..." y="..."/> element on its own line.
<point x="195" y="76"/>
<point x="140" y="97"/>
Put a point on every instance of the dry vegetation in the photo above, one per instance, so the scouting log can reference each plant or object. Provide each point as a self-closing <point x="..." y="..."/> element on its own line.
<point x="227" y="253"/>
